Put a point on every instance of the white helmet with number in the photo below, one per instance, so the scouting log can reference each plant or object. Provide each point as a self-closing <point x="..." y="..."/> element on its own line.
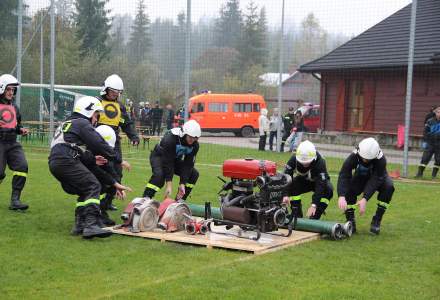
<point x="192" y="128"/>
<point x="108" y="134"/>
<point x="369" y="149"/>
<point x="5" y="80"/>
<point x="113" y="82"/>
<point x="306" y="152"/>
<point x="87" y="105"/>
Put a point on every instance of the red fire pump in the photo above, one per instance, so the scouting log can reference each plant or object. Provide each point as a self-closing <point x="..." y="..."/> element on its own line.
<point x="253" y="198"/>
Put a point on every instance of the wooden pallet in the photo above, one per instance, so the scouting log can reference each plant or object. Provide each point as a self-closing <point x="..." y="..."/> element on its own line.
<point x="267" y="242"/>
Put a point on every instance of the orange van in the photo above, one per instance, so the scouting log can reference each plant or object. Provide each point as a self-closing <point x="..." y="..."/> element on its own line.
<point x="237" y="113"/>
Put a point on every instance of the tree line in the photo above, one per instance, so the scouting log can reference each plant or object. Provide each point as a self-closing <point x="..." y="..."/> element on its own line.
<point x="228" y="53"/>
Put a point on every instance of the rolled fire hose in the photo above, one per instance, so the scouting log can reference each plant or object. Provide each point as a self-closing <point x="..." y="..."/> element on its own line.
<point x="334" y="229"/>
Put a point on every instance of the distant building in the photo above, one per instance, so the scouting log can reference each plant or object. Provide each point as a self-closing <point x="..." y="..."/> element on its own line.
<point x="296" y="88"/>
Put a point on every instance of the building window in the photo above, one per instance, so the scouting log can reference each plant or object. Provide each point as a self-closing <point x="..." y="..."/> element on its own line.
<point x="243" y="107"/>
<point x="218" y="107"/>
<point x="356" y="105"/>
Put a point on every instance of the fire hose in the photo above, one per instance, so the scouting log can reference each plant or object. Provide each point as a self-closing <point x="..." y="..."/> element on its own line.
<point x="333" y="229"/>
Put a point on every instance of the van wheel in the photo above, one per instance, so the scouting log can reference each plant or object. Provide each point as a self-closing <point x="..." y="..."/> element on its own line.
<point x="247" y="131"/>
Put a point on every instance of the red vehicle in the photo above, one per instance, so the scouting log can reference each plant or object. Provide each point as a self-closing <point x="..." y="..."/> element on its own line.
<point x="311" y="115"/>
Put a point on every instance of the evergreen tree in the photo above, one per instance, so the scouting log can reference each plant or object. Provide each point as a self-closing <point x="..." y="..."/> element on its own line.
<point x="253" y="48"/>
<point x="229" y="25"/>
<point x="140" y="40"/>
<point x="8" y="19"/>
<point x="92" y="26"/>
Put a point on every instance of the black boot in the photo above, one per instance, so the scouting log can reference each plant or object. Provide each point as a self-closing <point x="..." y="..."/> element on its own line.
<point x="16" y="203"/>
<point x="319" y="211"/>
<point x="298" y="205"/>
<point x="91" y="229"/>
<point x="377" y="218"/>
<point x="420" y="172"/>
<point x="105" y="220"/>
<point x="79" y="221"/>
<point x="434" y="172"/>
<point x="349" y="214"/>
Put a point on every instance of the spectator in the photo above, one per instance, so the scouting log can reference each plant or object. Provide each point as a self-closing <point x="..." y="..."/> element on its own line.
<point x="297" y="131"/>
<point x="263" y="127"/>
<point x="169" y="116"/>
<point x="146" y="115"/>
<point x="156" y="116"/>
<point x="274" y="124"/>
<point x="431" y="136"/>
<point x="288" y="120"/>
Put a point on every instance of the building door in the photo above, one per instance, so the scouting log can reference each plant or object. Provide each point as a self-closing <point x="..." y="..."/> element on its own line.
<point x="356" y="105"/>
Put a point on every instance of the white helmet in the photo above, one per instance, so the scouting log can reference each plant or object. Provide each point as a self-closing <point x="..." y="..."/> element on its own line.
<point x="306" y="152"/>
<point x="108" y="134"/>
<point x="87" y="105"/>
<point x="5" y="80"/>
<point x="369" y="149"/>
<point x="192" y="128"/>
<point x="114" y="82"/>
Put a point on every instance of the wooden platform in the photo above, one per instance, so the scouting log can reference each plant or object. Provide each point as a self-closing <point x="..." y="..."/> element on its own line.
<point x="266" y="243"/>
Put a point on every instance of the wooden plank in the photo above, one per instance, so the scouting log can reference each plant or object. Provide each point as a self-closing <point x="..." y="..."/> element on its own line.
<point x="267" y="242"/>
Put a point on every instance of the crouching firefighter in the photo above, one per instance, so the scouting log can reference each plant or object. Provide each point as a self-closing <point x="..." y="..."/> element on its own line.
<point x="66" y="166"/>
<point x="11" y="152"/>
<point x="116" y="116"/>
<point x="312" y="175"/>
<point x="175" y="154"/>
<point x="370" y="175"/>
<point x="106" y="174"/>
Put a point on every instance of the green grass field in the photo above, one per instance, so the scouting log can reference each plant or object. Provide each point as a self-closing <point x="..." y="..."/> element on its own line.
<point x="40" y="260"/>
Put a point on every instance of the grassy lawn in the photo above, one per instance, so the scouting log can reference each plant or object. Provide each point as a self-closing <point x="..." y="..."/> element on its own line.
<point x="40" y="260"/>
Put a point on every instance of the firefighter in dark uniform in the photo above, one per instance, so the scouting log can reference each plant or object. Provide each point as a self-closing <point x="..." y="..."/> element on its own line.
<point x="175" y="154"/>
<point x="116" y="116"/>
<point x="431" y="136"/>
<point x="288" y="122"/>
<point x="65" y="164"/>
<point x="370" y="175"/>
<point x="105" y="172"/>
<point x="11" y="152"/>
<point x="312" y="175"/>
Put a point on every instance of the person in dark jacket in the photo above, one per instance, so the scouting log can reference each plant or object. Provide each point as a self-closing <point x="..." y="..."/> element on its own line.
<point x="67" y="148"/>
<point x="11" y="152"/>
<point x="116" y="116"/>
<point x="156" y="116"/>
<point x="175" y="154"/>
<point x="312" y="175"/>
<point x="431" y="136"/>
<point x="370" y="175"/>
<point x="169" y="116"/>
<point x="288" y="121"/>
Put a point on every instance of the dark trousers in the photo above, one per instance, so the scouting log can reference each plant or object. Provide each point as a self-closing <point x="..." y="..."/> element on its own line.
<point x="156" y="127"/>
<point x="431" y="150"/>
<point x="75" y="178"/>
<point x="262" y="142"/>
<point x="272" y="136"/>
<point x="357" y="186"/>
<point x="11" y="154"/>
<point x="157" y="179"/>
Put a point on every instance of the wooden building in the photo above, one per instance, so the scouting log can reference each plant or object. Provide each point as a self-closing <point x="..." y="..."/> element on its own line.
<point x="363" y="82"/>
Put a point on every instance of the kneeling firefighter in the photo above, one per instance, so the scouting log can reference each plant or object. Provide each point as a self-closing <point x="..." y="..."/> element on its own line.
<point x="175" y="154"/>
<point x="370" y="175"/>
<point x="11" y="152"/>
<point x="312" y="175"/>
<point x="65" y="164"/>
